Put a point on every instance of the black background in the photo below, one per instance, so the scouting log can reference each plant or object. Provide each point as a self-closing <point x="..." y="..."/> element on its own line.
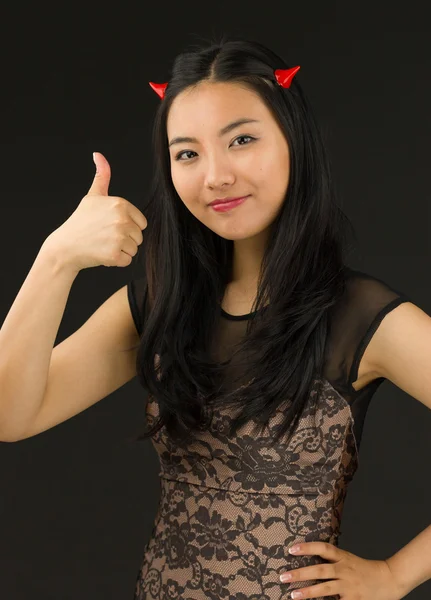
<point x="77" y="502"/>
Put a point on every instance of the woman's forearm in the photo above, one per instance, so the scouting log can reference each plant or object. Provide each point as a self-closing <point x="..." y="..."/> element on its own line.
<point x="27" y="338"/>
<point x="411" y="565"/>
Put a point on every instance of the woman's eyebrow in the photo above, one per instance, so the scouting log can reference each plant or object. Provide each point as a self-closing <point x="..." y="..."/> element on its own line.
<point x="223" y="131"/>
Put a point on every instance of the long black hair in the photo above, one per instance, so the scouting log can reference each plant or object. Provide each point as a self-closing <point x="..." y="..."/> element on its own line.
<point x="187" y="266"/>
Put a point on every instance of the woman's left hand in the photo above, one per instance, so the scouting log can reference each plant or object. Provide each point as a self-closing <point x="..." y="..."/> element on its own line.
<point x="348" y="575"/>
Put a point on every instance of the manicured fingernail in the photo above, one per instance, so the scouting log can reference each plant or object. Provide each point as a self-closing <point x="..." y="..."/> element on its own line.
<point x="294" y="549"/>
<point x="285" y="577"/>
<point x="296" y="594"/>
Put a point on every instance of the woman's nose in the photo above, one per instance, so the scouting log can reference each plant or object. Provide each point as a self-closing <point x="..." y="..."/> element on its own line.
<point x="219" y="172"/>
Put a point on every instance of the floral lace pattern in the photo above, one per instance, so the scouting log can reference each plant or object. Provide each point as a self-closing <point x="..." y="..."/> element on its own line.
<point x="230" y="508"/>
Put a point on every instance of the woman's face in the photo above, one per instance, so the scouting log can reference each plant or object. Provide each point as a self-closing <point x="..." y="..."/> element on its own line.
<point x="251" y="159"/>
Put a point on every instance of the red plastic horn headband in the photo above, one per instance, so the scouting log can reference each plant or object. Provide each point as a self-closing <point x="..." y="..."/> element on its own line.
<point x="283" y="76"/>
<point x="159" y="88"/>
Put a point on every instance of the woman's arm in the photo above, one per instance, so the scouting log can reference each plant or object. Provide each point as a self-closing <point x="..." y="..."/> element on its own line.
<point x="411" y="565"/>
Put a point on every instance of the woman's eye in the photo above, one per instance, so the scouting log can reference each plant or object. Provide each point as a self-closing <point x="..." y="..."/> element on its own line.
<point x="242" y="137"/>
<point x="178" y="156"/>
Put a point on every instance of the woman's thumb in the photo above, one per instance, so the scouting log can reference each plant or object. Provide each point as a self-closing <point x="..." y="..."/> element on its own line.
<point x="102" y="178"/>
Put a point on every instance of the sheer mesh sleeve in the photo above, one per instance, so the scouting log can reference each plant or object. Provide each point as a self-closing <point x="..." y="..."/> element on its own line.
<point x="366" y="302"/>
<point x="372" y="299"/>
<point x="137" y="294"/>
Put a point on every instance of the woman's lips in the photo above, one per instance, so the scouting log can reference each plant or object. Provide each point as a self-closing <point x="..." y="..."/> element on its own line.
<point x="225" y="206"/>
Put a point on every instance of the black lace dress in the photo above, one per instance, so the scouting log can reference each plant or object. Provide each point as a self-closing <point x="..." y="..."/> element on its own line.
<point x="230" y="508"/>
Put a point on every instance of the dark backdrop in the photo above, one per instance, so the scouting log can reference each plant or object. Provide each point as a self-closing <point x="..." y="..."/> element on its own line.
<point x="77" y="502"/>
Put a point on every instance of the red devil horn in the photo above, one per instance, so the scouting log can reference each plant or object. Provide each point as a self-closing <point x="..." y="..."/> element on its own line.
<point x="159" y="88"/>
<point x="285" y="76"/>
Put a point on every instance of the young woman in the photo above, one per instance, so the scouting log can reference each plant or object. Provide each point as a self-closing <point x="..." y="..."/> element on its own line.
<point x="259" y="347"/>
<point x="254" y="318"/>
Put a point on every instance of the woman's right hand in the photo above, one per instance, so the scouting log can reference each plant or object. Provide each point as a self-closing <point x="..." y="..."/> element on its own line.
<point x="103" y="230"/>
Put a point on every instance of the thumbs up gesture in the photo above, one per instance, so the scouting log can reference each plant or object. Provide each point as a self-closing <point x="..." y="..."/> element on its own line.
<point x="103" y="230"/>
